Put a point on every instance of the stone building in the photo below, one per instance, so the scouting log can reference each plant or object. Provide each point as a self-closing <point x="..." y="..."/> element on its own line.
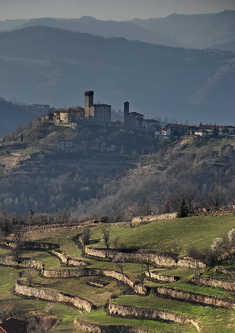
<point x="100" y="112"/>
<point x="136" y="120"/>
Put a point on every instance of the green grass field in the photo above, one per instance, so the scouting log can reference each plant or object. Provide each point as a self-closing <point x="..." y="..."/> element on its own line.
<point x="199" y="231"/>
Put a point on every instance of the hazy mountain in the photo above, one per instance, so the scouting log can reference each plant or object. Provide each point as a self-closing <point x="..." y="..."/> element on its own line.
<point x="96" y="27"/>
<point x="52" y="66"/>
<point x="191" y="31"/>
<point x="14" y="115"/>
<point x="195" y="31"/>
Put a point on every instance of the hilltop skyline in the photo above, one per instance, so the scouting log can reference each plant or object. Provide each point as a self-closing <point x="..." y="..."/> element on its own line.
<point x="108" y="10"/>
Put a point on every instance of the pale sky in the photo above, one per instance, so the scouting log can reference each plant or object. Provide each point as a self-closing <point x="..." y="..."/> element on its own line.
<point x="108" y="9"/>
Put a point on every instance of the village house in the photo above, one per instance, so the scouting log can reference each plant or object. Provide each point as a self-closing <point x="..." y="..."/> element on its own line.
<point x="70" y="115"/>
<point x="202" y="132"/>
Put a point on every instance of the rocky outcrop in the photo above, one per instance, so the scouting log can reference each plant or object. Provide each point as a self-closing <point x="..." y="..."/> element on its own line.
<point x="24" y="263"/>
<point x="53" y="296"/>
<point x="71" y="273"/>
<point x="226" y="285"/>
<point x="195" y="298"/>
<point x="147" y="313"/>
<point x="159" y="277"/>
<point x="65" y="260"/>
<point x="95" y="328"/>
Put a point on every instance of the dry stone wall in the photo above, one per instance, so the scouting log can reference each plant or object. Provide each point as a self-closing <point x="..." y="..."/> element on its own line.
<point x="152" y="218"/>
<point x="71" y="273"/>
<point x="67" y="260"/>
<point x="151" y="314"/>
<point x="53" y="296"/>
<point x="230" y="286"/>
<point x="25" y="263"/>
<point x="164" y="278"/>
<point x="193" y="297"/>
<point x="147" y="257"/>
<point x="95" y="328"/>
<point x="191" y="263"/>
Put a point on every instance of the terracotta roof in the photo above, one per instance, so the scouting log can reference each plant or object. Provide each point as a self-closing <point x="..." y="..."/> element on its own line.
<point x="12" y="325"/>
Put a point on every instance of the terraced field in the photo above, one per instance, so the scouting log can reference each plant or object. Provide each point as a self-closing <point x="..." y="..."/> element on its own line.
<point x="118" y="294"/>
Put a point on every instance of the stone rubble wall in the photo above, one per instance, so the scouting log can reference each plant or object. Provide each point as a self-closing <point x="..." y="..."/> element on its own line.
<point x="149" y="314"/>
<point x="194" y="297"/>
<point x="152" y="218"/>
<point x="191" y="263"/>
<point x="230" y="286"/>
<point x="25" y="263"/>
<point x="53" y="296"/>
<point x="164" y="278"/>
<point x="71" y="273"/>
<point x="67" y="260"/>
<point x="95" y="328"/>
<point x="145" y="256"/>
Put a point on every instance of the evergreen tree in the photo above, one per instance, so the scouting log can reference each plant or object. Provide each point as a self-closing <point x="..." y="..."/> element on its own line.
<point x="183" y="209"/>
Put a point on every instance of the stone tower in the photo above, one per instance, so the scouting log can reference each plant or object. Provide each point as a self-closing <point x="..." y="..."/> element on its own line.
<point x="126" y="113"/>
<point x="89" y="101"/>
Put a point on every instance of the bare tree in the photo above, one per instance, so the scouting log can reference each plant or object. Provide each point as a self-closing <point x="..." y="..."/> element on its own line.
<point x="119" y="261"/>
<point x="19" y="234"/>
<point x="85" y="236"/>
<point x="216" y="197"/>
<point x="106" y="236"/>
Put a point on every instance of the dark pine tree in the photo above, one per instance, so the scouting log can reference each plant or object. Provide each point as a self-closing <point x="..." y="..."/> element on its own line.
<point x="183" y="209"/>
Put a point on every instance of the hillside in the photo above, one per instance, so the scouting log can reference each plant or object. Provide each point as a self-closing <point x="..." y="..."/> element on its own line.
<point x="158" y="81"/>
<point x="77" y="293"/>
<point x="111" y="171"/>
<point x="87" y="24"/>
<point x="15" y="115"/>
<point x="196" y="31"/>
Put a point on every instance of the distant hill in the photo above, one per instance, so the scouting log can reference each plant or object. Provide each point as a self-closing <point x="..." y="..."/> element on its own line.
<point x="195" y="31"/>
<point x="191" y="31"/>
<point x="53" y="66"/>
<point x="14" y="115"/>
<point x="96" y="27"/>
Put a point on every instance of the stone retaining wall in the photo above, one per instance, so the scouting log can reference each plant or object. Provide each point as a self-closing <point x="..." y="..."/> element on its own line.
<point x="72" y="273"/>
<point x="53" y="296"/>
<point x="191" y="263"/>
<point x="145" y="256"/>
<point x="164" y="278"/>
<point x="230" y="286"/>
<point x="67" y="260"/>
<point x="152" y="218"/>
<point x="25" y="263"/>
<point x="194" y="297"/>
<point x="150" y="314"/>
<point x="95" y="328"/>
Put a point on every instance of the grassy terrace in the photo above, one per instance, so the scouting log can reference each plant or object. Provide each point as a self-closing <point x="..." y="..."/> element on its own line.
<point x="199" y="231"/>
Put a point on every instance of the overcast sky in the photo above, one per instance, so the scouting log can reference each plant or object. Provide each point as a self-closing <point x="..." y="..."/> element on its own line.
<point x="108" y="9"/>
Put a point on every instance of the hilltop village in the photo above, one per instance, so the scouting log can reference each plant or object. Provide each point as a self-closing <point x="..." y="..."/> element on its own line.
<point x="100" y="114"/>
